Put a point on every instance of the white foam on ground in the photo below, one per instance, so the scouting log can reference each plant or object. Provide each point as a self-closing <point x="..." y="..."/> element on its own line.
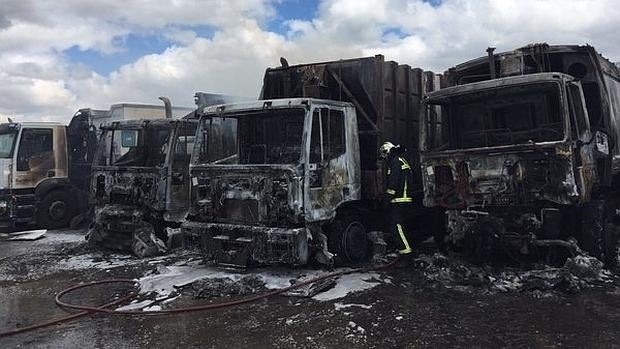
<point x="135" y="305"/>
<point x="339" y="306"/>
<point x="28" y="235"/>
<point x="170" y="278"/>
<point x="349" y="283"/>
<point x="89" y="260"/>
<point x="61" y="237"/>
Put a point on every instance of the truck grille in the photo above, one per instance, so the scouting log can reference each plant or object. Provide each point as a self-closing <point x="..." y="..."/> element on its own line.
<point x="241" y="211"/>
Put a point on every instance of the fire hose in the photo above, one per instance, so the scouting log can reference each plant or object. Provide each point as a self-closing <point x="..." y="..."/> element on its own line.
<point x="107" y="309"/>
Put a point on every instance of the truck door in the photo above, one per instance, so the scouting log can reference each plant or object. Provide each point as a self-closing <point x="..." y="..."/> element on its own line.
<point x="327" y="182"/>
<point x="35" y="157"/>
<point x="585" y="166"/>
<point x="183" y="144"/>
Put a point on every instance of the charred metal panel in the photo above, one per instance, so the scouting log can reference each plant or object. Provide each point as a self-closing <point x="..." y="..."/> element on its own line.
<point x="136" y="187"/>
<point x="335" y="179"/>
<point x="245" y="194"/>
<point x="82" y="144"/>
<point x="501" y="179"/>
<point x="243" y="245"/>
<point x="114" y="225"/>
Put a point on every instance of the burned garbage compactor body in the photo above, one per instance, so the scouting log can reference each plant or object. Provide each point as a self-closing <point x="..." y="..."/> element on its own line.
<point x="522" y="150"/>
<point x="303" y="180"/>
<point x="140" y="183"/>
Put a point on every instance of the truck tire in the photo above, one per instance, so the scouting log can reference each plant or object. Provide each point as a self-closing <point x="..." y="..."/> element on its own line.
<point x="56" y="209"/>
<point x="349" y="241"/>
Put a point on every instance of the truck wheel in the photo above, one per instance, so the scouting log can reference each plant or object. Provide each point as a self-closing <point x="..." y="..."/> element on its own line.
<point x="348" y="239"/>
<point x="56" y="209"/>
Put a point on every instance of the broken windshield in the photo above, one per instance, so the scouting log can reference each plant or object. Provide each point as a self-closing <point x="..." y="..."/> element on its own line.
<point x="255" y="137"/>
<point x="504" y="116"/>
<point x="135" y="147"/>
<point x="7" y="143"/>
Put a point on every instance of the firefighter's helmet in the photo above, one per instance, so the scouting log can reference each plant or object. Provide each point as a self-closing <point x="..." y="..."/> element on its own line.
<point x="385" y="149"/>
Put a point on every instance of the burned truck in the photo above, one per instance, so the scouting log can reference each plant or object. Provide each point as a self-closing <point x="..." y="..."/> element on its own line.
<point x="140" y="183"/>
<point x="302" y="179"/>
<point x="522" y="152"/>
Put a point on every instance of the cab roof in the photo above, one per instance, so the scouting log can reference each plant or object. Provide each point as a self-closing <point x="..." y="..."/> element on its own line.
<point x="272" y="103"/>
<point x="496" y="83"/>
<point x="139" y="123"/>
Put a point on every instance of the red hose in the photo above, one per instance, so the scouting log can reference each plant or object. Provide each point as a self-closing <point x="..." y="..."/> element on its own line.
<point x="73" y="316"/>
<point x="90" y="310"/>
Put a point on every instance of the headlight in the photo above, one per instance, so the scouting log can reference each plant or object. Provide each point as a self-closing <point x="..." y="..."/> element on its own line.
<point x="4" y="205"/>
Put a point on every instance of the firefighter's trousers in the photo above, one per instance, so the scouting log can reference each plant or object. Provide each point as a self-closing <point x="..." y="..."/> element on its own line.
<point x="396" y="220"/>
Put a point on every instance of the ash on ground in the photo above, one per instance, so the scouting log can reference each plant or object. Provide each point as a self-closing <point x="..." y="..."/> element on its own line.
<point x="219" y="288"/>
<point x="578" y="273"/>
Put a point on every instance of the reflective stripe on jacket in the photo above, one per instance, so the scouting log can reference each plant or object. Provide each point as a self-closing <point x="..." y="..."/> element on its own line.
<point x="399" y="181"/>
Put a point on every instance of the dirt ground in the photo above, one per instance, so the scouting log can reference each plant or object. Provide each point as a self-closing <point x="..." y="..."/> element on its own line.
<point x="440" y="301"/>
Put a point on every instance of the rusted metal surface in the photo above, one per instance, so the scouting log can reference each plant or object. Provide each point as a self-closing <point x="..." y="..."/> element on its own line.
<point x="513" y="160"/>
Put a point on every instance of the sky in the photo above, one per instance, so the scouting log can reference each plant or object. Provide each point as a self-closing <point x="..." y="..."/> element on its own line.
<point x="57" y="56"/>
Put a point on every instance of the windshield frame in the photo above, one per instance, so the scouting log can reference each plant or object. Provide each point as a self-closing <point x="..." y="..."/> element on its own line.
<point x="15" y="133"/>
<point x="442" y="100"/>
<point x="110" y="133"/>
<point x="238" y="115"/>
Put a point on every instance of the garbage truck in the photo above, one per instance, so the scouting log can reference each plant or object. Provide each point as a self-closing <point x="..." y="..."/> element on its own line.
<point x="521" y="150"/>
<point x="302" y="182"/>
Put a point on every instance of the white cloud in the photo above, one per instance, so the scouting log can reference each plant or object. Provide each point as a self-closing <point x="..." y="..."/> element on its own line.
<point x="36" y="80"/>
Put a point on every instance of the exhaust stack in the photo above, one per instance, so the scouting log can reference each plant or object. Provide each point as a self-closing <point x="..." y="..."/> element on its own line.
<point x="167" y="106"/>
<point x="491" y="51"/>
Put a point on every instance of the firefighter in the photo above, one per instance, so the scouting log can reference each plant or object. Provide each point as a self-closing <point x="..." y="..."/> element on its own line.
<point x="398" y="195"/>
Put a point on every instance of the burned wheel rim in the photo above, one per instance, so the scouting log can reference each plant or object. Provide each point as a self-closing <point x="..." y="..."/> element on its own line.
<point x="57" y="210"/>
<point x="354" y="242"/>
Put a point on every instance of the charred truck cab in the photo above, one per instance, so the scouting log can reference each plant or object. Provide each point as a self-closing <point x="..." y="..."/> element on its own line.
<point x="45" y="167"/>
<point x="140" y="183"/>
<point x="294" y="165"/>
<point x="528" y="161"/>
<point x="302" y="178"/>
